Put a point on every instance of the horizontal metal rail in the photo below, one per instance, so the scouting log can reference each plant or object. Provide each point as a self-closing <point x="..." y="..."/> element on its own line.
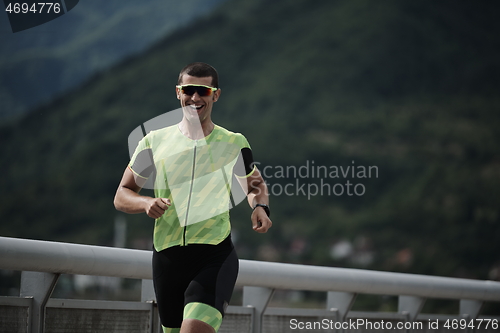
<point x="55" y="257"/>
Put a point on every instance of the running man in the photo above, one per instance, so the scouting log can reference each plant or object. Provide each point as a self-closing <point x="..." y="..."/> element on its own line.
<point x="192" y="165"/>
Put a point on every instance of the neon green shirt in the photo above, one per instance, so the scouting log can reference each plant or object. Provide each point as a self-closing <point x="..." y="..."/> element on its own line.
<point x="196" y="175"/>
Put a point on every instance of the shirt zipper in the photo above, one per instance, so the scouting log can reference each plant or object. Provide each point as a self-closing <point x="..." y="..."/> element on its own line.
<point x="190" y="193"/>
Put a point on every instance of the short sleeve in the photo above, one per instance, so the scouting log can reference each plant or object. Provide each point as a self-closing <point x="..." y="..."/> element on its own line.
<point x="141" y="162"/>
<point x="243" y="142"/>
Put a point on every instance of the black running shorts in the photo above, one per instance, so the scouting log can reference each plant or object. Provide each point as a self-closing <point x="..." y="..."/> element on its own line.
<point x="194" y="281"/>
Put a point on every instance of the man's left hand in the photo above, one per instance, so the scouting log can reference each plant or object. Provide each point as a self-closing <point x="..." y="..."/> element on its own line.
<point x="260" y="221"/>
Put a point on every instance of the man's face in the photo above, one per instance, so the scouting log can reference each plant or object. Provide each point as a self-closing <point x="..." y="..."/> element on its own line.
<point x="195" y="105"/>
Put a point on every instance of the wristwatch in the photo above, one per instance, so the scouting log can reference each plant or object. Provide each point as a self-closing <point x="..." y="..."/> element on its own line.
<point x="266" y="208"/>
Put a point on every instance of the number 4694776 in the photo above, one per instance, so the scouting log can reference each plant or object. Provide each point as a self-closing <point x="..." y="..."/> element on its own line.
<point x="472" y="323"/>
<point x="35" y="8"/>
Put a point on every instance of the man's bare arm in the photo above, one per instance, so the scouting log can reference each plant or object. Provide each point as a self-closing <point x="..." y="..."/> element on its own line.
<point x="257" y="191"/>
<point x="128" y="200"/>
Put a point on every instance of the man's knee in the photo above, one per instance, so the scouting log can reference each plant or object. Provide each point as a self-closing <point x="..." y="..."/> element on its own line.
<point x="190" y="325"/>
<point x="203" y="313"/>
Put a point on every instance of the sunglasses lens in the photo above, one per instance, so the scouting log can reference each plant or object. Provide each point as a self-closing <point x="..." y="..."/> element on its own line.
<point x="189" y="90"/>
<point x="202" y="91"/>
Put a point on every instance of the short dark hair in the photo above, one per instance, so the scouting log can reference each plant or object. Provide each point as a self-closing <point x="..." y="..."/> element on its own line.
<point x="200" y="69"/>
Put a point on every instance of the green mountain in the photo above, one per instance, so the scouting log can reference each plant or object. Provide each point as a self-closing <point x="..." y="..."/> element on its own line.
<point x="39" y="63"/>
<point x="406" y="88"/>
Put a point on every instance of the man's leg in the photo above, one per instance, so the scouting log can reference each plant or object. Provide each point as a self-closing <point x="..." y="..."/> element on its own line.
<point x="208" y="294"/>
<point x="169" y="290"/>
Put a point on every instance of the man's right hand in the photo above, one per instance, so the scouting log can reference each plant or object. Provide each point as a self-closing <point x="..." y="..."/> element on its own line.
<point x="156" y="207"/>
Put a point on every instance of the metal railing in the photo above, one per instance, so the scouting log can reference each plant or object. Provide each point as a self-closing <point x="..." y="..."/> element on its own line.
<point x="42" y="262"/>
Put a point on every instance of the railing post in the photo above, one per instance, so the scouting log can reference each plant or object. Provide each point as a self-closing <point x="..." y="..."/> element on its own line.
<point x="258" y="298"/>
<point x="341" y="302"/>
<point x="148" y="295"/>
<point x="147" y="291"/>
<point x="40" y="286"/>
<point x="410" y="305"/>
<point x="470" y="308"/>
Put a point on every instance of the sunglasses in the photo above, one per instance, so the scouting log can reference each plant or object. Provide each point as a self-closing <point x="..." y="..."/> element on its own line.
<point x="190" y="89"/>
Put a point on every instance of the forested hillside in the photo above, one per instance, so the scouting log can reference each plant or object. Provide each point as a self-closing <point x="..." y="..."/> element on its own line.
<point x="407" y="88"/>
<point x="40" y="63"/>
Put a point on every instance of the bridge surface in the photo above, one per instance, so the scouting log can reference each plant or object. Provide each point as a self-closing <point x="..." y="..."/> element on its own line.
<point x="42" y="263"/>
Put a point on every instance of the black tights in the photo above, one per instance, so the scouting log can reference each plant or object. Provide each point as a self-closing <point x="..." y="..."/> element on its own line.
<point x="194" y="273"/>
